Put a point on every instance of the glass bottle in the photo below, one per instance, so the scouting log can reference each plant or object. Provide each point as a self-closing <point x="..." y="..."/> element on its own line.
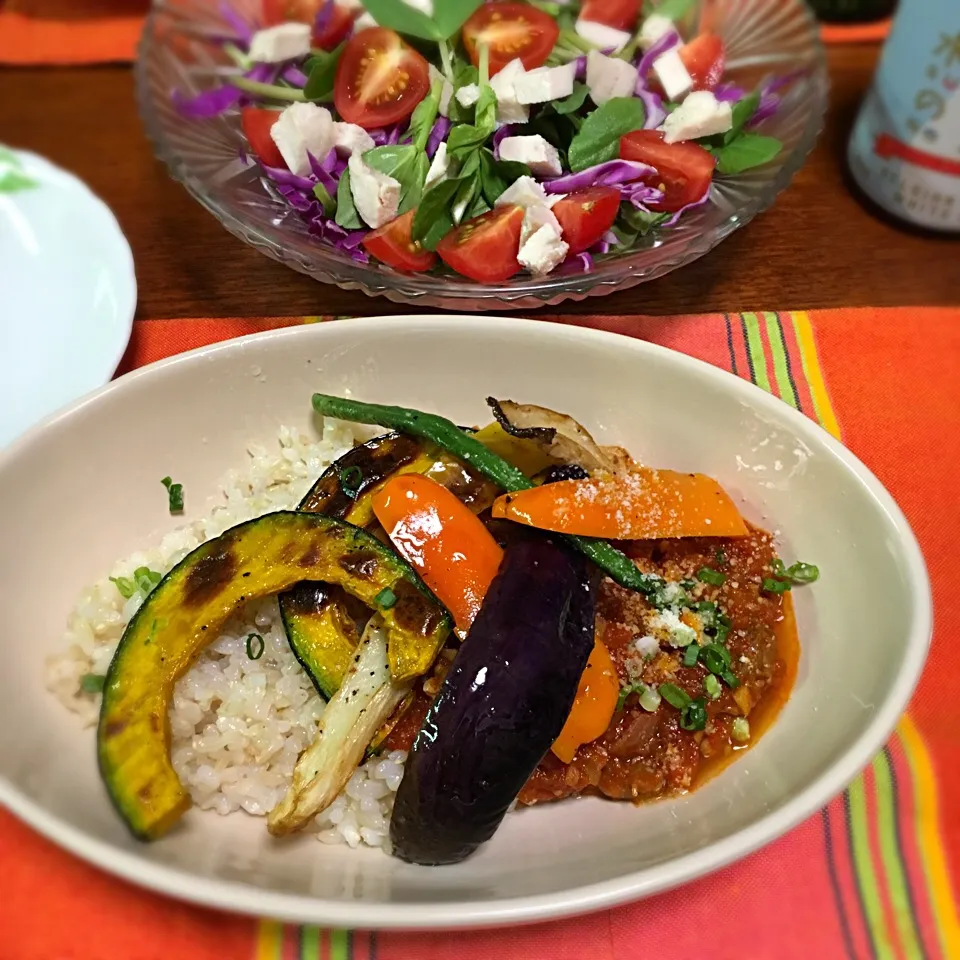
<point x="904" y="151"/>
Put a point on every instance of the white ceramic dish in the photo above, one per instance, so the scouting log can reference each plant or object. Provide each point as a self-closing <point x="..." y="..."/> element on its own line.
<point x="864" y="627"/>
<point x="68" y="290"/>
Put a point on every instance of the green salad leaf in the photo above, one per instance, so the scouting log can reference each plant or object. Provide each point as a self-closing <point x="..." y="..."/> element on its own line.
<point x="347" y="216"/>
<point x="745" y="152"/>
<point x="574" y="102"/>
<point x="598" y="140"/>
<point x="448" y="17"/>
<point x="323" y="72"/>
<point x="671" y="9"/>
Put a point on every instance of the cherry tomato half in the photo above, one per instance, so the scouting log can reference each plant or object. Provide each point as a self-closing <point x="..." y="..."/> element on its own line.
<point x="393" y="245"/>
<point x="619" y="14"/>
<point x="336" y="24"/>
<point x="510" y="30"/>
<point x="256" y="123"/>
<point x="704" y="57"/>
<point x="684" y="170"/>
<point x="587" y="215"/>
<point x="485" y="248"/>
<point x="380" y="80"/>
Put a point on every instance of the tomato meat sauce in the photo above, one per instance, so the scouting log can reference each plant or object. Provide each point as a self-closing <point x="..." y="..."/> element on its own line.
<point x="645" y="753"/>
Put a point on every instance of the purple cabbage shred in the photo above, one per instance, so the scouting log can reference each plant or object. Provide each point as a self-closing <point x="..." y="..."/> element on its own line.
<point x="243" y="29"/>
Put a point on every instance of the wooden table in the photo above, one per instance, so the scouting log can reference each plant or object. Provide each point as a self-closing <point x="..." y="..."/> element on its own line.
<point x="817" y="247"/>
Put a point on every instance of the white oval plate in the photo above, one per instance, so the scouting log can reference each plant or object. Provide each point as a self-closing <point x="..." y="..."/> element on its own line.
<point x="192" y="417"/>
<point x="68" y="290"/>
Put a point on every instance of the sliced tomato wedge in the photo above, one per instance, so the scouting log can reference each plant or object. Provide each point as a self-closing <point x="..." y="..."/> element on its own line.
<point x="256" y="123"/>
<point x="394" y="245"/>
<point x="334" y="27"/>
<point x="380" y="80"/>
<point x="587" y="215"/>
<point x="280" y="11"/>
<point x="704" y="57"/>
<point x="485" y="248"/>
<point x="510" y="30"/>
<point x="684" y="170"/>
<point x="619" y="14"/>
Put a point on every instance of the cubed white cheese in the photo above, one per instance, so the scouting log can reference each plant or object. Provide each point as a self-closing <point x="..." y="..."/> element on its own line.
<point x="543" y="251"/>
<point x="672" y="74"/>
<point x="468" y="95"/>
<point x="376" y="196"/>
<point x="609" y="77"/>
<point x="700" y="115"/>
<point x="539" y="155"/>
<point x="509" y="108"/>
<point x="300" y="129"/>
<point x="364" y="22"/>
<point x="545" y="84"/>
<point x="534" y="218"/>
<point x="440" y="168"/>
<point x="285" y="41"/>
<point x="524" y="192"/>
<point x="446" y="91"/>
<point x="424" y="6"/>
<point x="349" y="138"/>
<point x="602" y="36"/>
<point x="654" y="28"/>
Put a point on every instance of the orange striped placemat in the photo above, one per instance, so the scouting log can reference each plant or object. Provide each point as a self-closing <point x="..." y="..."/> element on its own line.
<point x="873" y="875"/>
<point x="70" y="32"/>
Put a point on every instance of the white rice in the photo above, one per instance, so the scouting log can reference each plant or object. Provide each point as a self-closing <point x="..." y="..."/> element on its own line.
<point x="238" y="725"/>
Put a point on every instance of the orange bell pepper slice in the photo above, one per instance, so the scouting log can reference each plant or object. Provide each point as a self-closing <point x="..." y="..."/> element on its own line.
<point x="596" y="703"/>
<point x="646" y="504"/>
<point x="442" y="539"/>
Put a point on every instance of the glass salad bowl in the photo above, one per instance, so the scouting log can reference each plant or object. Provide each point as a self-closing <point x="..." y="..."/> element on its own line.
<point x="180" y="50"/>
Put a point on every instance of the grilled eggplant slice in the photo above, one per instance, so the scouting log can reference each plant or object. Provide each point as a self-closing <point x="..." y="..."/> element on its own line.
<point x="503" y="703"/>
<point x="191" y="604"/>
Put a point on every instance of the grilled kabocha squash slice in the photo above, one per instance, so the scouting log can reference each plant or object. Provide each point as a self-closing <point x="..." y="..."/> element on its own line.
<point x="322" y="629"/>
<point x="195" y="599"/>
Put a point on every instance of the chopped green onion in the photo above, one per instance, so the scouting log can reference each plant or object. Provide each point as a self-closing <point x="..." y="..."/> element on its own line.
<point x="675" y="696"/>
<point x="126" y="587"/>
<point x="721" y="557"/>
<point x="174" y="495"/>
<point x="740" y="731"/>
<point x="688" y="584"/>
<point x="775" y="586"/>
<point x="690" y="655"/>
<point x="146" y="579"/>
<point x="649" y="698"/>
<point x="385" y="599"/>
<point x="350" y="480"/>
<point x="729" y="679"/>
<point x="713" y="577"/>
<point x="694" y="715"/>
<point x="715" y="658"/>
<point x="803" y="572"/>
<point x="797" y="574"/>
<point x="92" y="683"/>
<point x="712" y="686"/>
<point x="255" y="652"/>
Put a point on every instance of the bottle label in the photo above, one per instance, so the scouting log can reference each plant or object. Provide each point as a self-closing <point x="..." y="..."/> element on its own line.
<point x="905" y="147"/>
